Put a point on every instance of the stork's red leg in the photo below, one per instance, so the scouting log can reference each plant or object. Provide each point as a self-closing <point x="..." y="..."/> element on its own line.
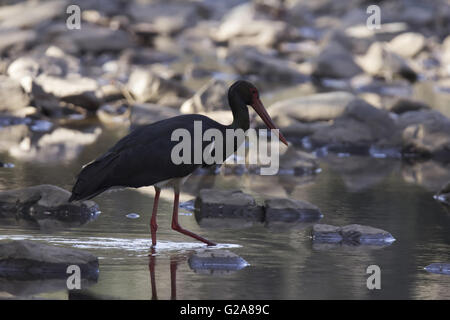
<point x="176" y="226"/>
<point x="151" y="267"/>
<point x="173" y="278"/>
<point x="153" y="225"/>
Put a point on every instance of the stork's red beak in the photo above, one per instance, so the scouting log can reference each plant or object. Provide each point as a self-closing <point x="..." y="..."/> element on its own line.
<point x="261" y="111"/>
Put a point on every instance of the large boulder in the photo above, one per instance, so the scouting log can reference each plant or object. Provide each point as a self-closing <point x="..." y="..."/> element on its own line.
<point x="47" y="206"/>
<point x="361" y="125"/>
<point x="290" y="211"/>
<point x="212" y="205"/>
<point x="27" y="260"/>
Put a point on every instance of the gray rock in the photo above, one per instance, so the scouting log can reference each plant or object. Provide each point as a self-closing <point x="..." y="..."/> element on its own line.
<point x="27" y="260"/>
<point x="213" y="203"/>
<point x="360" y="125"/>
<point x="335" y="61"/>
<point x="440" y="268"/>
<point x="290" y="211"/>
<point x="316" y="107"/>
<point x="146" y="86"/>
<point x="248" y="61"/>
<point x="353" y="234"/>
<point x="12" y="96"/>
<point x="211" y="97"/>
<point x="216" y="262"/>
<point x="47" y="206"/>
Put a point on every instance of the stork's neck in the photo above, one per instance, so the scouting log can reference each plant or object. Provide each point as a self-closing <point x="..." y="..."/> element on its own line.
<point x="241" y="118"/>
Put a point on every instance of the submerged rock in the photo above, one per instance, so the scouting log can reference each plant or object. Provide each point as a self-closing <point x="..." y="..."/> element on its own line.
<point x="216" y="262"/>
<point x="282" y="212"/>
<point x="25" y="260"/>
<point x="212" y="204"/>
<point x="440" y="268"/>
<point x="146" y="113"/>
<point x="353" y="234"/>
<point x="47" y="206"/>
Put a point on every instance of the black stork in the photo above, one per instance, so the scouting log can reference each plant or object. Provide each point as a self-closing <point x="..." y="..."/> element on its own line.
<point x="143" y="157"/>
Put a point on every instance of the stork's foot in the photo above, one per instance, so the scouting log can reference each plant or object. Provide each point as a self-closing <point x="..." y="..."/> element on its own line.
<point x="177" y="227"/>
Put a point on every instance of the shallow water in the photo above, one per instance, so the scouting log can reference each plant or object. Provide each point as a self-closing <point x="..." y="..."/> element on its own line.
<point x="283" y="263"/>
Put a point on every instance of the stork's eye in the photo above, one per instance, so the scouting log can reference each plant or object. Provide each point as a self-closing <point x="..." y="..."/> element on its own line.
<point x="254" y="92"/>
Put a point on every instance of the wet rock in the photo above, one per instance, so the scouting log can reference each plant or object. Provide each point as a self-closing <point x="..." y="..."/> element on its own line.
<point x="145" y="86"/>
<point x="353" y="234"/>
<point x="316" y="107"/>
<point x="361" y="125"/>
<point x="213" y="204"/>
<point x="290" y="211"/>
<point x="146" y="113"/>
<point x="335" y="61"/>
<point x="25" y="260"/>
<point x="440" y="268"/>
<point x="47" y="206"/>
<point x="62" y="144"/>
<point x="248" y="61"/>
<point x="407" y="44"/>
<point x="216" y="262"/>
<point x="12" y="96"/>
<point x="211" y="97"/>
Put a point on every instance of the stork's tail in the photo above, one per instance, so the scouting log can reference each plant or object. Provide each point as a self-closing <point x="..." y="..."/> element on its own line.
<point x="92" y="178"/>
